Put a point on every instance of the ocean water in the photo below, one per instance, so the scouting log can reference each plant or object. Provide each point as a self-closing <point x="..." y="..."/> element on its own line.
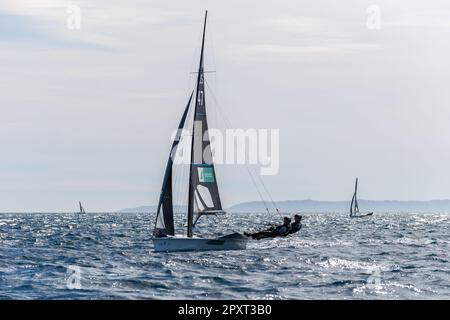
<point x="387" y="256"/>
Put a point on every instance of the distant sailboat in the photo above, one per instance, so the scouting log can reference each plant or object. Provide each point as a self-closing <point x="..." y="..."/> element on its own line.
<point x="203" y="193"/>
<point x="81" y="209"/>
<point x="354" y="208"/>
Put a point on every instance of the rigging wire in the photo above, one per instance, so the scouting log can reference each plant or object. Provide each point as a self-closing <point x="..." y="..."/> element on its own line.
<point x="246" y="165"/>
<point x="268" y="193"/>
<point x="228" y="122"/>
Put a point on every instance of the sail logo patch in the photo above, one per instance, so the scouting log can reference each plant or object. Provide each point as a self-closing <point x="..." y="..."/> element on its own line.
<point x="205" y="174"/>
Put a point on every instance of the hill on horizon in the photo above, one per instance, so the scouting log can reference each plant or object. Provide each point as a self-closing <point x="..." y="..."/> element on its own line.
<point x="308" y="205"/>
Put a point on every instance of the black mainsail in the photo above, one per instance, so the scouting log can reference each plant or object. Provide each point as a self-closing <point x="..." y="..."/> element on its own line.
<point x="164" y="215"/>
<point x="203" y="190"/>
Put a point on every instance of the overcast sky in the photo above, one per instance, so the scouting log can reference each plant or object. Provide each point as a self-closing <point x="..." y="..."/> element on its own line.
<point x="87" y="114"/>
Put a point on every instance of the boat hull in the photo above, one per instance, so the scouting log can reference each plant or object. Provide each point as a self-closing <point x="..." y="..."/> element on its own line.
<point x="229" y="242"/>
<point x="362" y="215"/>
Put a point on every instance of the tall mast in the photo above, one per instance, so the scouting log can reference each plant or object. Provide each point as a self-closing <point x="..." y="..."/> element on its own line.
<point x="191" y="191"/>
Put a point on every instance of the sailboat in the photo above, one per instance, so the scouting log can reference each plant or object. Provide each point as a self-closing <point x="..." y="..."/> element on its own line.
<point x="203" y="192"/>
<point x="81" y="208"/>
<point x="354" y="208"/>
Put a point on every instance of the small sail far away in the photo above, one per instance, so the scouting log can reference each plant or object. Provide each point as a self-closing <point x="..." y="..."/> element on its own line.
<point x="354" y="207"/>
<point x="81" y="208"/>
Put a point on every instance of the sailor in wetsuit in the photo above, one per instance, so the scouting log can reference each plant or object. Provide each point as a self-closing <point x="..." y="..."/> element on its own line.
<point x="159" y="233"/>
<point x="296" y="225"/>
<point x="279" y="231"/>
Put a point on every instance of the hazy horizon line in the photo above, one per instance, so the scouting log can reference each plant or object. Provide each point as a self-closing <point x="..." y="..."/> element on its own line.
<point x="231" y="206"/>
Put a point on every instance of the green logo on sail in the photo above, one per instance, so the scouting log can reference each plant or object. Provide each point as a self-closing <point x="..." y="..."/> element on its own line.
<point x="205" y="174"/>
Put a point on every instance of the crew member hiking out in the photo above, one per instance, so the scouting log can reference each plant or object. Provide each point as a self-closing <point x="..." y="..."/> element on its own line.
<point x="296" y="225"/>
<point x="278" y="231"/>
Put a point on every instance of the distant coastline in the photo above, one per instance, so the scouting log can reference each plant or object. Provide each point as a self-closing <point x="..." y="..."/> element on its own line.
<point x="308" y="205"/>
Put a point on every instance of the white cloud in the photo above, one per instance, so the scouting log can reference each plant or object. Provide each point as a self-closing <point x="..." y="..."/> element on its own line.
<point x="270" y="49"/>
<point x="102" y="23"/>
<point x="301" y="24"/>
<point x="302" y="35"/>
<point x="430" y="19"/>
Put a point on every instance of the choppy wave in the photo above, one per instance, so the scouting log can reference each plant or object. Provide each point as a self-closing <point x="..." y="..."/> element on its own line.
<point x="387" y="256"/>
